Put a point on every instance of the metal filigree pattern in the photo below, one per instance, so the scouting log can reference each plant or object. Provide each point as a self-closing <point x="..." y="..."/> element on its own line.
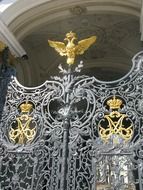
<point x="73" y="132"/>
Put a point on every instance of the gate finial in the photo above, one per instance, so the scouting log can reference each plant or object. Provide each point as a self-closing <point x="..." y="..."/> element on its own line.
<point x="71" y="49"/>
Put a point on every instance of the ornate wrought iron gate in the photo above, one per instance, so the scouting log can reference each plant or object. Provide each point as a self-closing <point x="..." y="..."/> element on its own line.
<point x="72" y="133"/>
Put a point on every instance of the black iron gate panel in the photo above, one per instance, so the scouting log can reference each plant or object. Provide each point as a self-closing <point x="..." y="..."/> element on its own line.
<point x="30" y="138"/>
<point x="73" y="132"/>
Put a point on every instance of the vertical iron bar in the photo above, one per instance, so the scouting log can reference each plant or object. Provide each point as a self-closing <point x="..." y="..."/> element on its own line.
<point x="94" y="173"/>
<point x="33" y="173"/>
<point x="65" y="154"/>
<point x="140" y="175"/>
<point x="66" y="126"/>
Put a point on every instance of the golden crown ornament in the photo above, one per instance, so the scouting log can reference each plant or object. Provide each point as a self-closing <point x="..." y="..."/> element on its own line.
<point x="114" y="103"/>
<point x="26" y="107"/>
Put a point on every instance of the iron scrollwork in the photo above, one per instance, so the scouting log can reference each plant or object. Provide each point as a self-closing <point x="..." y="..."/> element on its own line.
<point x="73" y="132"/>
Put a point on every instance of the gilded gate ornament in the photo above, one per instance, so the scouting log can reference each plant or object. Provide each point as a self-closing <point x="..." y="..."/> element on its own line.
<point x="67" y="151"/>
<point x="115" y="125"/>
<point x="71" y="49"/>
<point x="23" y="132"/>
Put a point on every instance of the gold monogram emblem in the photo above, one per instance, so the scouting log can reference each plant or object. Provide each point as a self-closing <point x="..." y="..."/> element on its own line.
<point x="23" y="132"/>
<point x="115" y="125"/>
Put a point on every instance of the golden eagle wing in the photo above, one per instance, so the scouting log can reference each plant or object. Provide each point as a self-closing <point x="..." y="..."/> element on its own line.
<point x="84" y="45"/>
<point x="59" y="47"/>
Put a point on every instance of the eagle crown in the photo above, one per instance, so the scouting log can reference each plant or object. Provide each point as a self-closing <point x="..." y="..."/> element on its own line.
<point x="70" y="37"/>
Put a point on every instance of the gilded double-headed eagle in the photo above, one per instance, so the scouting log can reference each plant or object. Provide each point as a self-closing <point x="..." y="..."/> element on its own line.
<point x="70" y="49"/>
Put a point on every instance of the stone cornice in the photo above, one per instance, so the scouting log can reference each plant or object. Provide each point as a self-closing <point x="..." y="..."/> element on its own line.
<point x="24" y="16"/>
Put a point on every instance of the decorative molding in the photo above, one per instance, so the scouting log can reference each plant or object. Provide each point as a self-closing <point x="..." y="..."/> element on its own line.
<point x="24" y="16"/>
<point x="78" y="10"/>
<point x="111" y="55"/>
<point x="9" y="39"/>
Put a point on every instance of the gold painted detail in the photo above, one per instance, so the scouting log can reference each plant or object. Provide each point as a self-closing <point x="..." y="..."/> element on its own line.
<point x="23" y="132"/>
<point x="26" y="107"/>
<point x="2" y="46"/>
<point x="114" y="103"/>
<point x="70" y="50"/>
<point x="115" y="126"/>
